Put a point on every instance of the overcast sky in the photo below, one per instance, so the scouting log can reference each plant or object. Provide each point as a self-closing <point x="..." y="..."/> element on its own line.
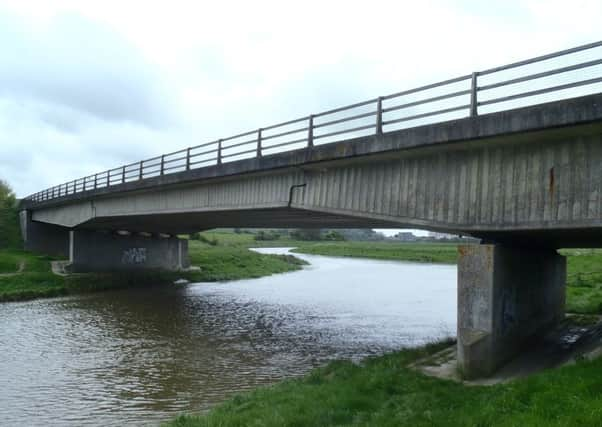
<point x="85" y="86"/>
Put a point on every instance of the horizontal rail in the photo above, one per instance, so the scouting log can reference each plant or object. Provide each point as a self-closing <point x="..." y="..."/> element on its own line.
<point x="290" y="122"/>
<point x="427" y="100"/>
<point x="424" y="115"/>
<point x="542" y="58"/>
<point x="238" y="153"/>
<point x="239" y="144"/>
<point x="428" y="87"/>
<point x="541" y="75"/>
<point x="290" y="132"/>
<point x="383" y="115"/>
<point x="541" y="91"/>
<point x="348" y="107"/>
<point x="282" y="144"/>
<point x="340" y="132"/>
<point x="346" y="119"/>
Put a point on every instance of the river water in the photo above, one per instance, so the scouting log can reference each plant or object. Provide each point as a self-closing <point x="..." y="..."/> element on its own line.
<point x="139" y="357"/>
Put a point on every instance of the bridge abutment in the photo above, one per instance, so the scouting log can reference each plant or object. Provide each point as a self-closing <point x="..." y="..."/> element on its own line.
<point x="506" y="295"/>
<point x="44" y="238"/>
<point x="92" y="251"/>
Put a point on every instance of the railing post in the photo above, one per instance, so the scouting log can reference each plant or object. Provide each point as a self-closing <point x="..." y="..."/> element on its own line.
<point x="473" y="95"/>
<point x="259" y="142"/>
<point x="188" y="159"/>
<point x="109" y="178"/>
<point x="95" y="181"/>
<point x="310" y="131"/>
<point x="84" y="189"/>
<point x="162" y="164"/>
<point x="140" y="172"/>
<point x="379" y="116"/>
<point x="123" y="175"/>
<point x="74" y="186"/>
<point x="219" y="151"/>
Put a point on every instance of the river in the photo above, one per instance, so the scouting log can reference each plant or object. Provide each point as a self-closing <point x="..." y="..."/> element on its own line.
<point x="139" y="357"/>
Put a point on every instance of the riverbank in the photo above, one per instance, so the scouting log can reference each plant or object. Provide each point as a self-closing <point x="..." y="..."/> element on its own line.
<point x="446" y="253"/>
<point x="385" y="391"/>
<point x="25" y="276"/>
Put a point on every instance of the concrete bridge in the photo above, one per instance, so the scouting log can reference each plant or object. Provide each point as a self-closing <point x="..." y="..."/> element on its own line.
<point x="457" y="156"/>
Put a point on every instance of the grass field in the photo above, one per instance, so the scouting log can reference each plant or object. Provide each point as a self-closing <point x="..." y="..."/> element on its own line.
<point x="417" y="252"/>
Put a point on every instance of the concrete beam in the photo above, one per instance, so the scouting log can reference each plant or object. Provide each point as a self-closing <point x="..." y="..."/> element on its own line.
<point x="506" y="296"/>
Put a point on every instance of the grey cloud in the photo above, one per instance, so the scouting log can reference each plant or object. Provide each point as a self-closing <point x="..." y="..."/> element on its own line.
<point x="81" y="65"/>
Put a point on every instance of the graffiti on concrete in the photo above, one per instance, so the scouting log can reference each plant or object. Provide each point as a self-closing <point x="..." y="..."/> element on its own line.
<point x="134" y="256"/>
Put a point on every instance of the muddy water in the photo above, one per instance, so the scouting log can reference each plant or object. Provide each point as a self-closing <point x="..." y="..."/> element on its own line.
<point x="139" y="357"/>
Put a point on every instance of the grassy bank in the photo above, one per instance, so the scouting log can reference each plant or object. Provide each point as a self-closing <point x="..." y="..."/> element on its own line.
<point x="25" y="275"/>
<point x="416" y="252"/>
<point x="584" y="280"/>
<point x="383" y="391"/>
<point x="232" y="262"/>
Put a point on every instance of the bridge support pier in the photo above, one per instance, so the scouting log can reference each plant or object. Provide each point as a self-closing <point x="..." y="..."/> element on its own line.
<point x="506" y="295"/>
<point x="91" y="251"/>
<point x="44" y="238"/>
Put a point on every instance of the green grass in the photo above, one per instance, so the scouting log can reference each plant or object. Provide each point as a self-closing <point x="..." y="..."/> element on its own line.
<point x="417" y="252"/>
<point x="234" y="262"/>
<point x="10" y="260"/>
<point x="383" y="391"/>
<point x="584" y="280"/>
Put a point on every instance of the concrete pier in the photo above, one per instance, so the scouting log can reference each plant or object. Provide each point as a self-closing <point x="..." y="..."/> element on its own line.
<point x="42" y="237"/>
<point x="97" y="251"/>
<point x="90" y="250"/>
<point x="506" y="295"/>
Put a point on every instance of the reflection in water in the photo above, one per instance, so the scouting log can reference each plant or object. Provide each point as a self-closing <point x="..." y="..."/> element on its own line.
<point x="138" y="357"/>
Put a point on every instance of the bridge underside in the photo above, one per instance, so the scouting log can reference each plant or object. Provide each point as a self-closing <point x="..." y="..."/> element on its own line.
<point x="285" y="217"/>
<point x="189" y="222"/>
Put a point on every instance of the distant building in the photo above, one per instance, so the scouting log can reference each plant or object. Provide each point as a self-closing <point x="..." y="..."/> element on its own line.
<point x="405" y="236"/>
<point x="436" y="235"/>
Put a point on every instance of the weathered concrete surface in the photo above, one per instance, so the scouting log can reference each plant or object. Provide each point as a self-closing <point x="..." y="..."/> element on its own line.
<point x="544" y="192"/>
<point x="92" y="251"/>
<point x="506" y="295"/>
<point x="43" y="237"/>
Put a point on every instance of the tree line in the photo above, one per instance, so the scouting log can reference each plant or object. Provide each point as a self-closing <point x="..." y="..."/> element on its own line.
<point x="10" y="236"/>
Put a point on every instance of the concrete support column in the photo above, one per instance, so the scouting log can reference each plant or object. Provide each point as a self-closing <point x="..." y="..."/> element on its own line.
<point x="506" y="295"/>
<point x="96" y="251"/>
<point x="44" y="238"/>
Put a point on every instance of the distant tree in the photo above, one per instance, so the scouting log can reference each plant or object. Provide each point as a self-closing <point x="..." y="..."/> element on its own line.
<point x="267" y="235"/>
<point x="306" y="234"/>
<point x="10" y="235"/>
<point x="333" y="235"/>
<point x="361" y="234"/>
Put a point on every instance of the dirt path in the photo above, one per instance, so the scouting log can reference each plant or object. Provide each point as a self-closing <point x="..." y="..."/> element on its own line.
<point x="20" y="269"/>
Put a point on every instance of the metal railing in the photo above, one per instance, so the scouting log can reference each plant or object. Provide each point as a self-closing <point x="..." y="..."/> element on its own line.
<point x="542" y="79"/>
